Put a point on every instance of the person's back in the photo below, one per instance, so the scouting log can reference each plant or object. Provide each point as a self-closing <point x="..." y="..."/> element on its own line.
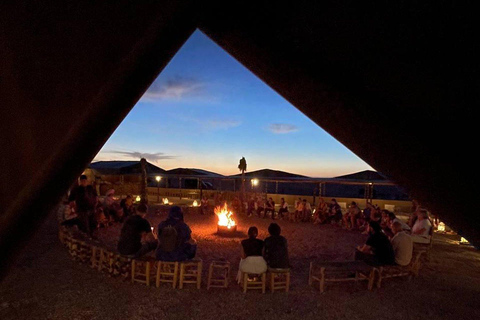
<point x="276" y="248"/>
<point x="131" y="234"/>
<point x="174" y="237"/>
<point x="252" y="260"/>
<point x="382" y="248"/>
<point x="252" y="247"/>
<point x="402" y="244"/>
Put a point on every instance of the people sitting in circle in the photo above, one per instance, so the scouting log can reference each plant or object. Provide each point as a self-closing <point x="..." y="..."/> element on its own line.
<point x="283" y="209"/>
<point x="127" y="206"/>
<point x="392" y="218"/>
<point x="134" y="240"/>
<point x="306" y="214"/>
<point x="252" y="260"/>
<point x="334" y="212"/>
<point x="174" y="236"/>
<point x="377" y="250"/>
<point x="421" y="230"/>
<point x="368" y="211"/>
<point x="402" y="244"/>
<point x="351" y="216"/>
<point x="260" y="206"/>
<point x="111" y="207"/>
<point x="276" y="248"/>
<point x="321" y="212"/>
<point x="270" y="208"/>
<point x="298" y="210"/>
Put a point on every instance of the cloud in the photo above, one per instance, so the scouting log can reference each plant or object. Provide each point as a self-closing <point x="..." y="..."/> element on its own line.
<point x="282" y="128"/>
<point x="152" y="157"/>
<point x="175" y="88"/>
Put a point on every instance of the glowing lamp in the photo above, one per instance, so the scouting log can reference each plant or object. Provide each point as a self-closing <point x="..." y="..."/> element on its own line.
<point x="254" y="182"/>
<point x="195" y="203"/>
<point x="441" y="227"/>
<point x="138" y="199"/>
<point x="158" y="178"/>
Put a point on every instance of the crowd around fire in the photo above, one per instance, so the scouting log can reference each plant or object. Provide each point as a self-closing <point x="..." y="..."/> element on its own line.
<point x="390" y="240"/>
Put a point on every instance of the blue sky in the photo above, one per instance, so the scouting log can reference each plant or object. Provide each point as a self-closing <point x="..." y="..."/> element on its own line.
<point x="205" y="110"/>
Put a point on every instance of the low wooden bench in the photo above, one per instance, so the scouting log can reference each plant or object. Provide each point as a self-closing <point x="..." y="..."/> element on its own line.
<point x="340" y="271"/>
<point x="410" y="270"/>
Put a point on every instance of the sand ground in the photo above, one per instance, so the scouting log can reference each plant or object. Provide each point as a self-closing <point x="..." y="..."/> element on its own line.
<point x="44" y="283"/>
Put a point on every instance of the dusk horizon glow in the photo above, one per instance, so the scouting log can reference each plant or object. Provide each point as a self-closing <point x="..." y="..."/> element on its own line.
<point x="207" y="111"/>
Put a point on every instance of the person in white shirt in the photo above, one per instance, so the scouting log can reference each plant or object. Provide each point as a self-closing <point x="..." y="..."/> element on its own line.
<point x="402" y="244"/>
<point x="421" y="228"/>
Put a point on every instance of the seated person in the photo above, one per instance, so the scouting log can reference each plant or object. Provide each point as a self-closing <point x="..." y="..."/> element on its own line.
<point x="252" y="260"/>
<point x="174" y="238"/>
<point x="127" y="206"/>
<point x="260" y="204"/>
<point x="422" y="228"/>
<point x="367" y="212"/>
<point x="351" y="216"/>
<point x="276" y="249"/>
<point x="237" y="204"/>
<point x="321" y="212"/>
<point x="414" y="215"/>
<point x="251" y="206"/>
<point x="377" y="250"/>
<point x="392" y="218"/>
<point x="334" y="212"/>
<point x="134" y="230"/>
<point x="306" y="214"/>
<point x="111" y="207"/>
<point x="283" y="208"/>
<point x="270" y="208"/>
<point x="298" y="210"/>
<point x="204" y="206"/>
<point x="402" y="244"/>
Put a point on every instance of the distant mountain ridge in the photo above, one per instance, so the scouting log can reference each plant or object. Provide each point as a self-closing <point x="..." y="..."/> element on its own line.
<point x="134" y="167"/>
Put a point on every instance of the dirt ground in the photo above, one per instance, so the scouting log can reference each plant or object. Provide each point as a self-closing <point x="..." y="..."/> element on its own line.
<point x="44" y="283"/>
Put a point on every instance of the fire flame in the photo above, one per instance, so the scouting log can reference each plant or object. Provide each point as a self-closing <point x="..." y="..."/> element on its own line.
<point x="195" y="203"/>
<point x="225" y="217"/>
<point x="165" y="200"/>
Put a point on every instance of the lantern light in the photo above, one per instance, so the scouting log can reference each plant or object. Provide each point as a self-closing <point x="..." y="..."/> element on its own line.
<point x="441" y="227"/>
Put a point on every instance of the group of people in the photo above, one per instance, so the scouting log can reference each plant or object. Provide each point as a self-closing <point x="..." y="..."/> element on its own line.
<point x="88" y="212"/>
<point x="263" y="207"/>
<point x="171" y="240"/>
<point x="258" y="255"/>
<point x="391" y="240"/>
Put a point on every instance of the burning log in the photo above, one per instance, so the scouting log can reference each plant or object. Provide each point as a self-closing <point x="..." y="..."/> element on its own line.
<point x="226" y="223"/>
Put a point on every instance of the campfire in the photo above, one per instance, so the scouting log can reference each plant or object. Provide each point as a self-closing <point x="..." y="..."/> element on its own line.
<point x="165" y="201"/>
<point x="226" y="224"/>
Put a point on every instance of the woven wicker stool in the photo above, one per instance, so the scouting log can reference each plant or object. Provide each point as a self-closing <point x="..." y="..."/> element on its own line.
<point x="251" y="281"/>
<point x="167" y="272"/>
<point x="142" y="270"/>
<point x="218" y="274"/>
<point x="191" y="272"/>
<point x="279" y="279"/>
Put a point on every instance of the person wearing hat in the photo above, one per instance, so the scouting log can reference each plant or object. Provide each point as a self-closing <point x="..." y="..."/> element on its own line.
<point x="83" y="199"/>
<point x="174" y="236"/>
